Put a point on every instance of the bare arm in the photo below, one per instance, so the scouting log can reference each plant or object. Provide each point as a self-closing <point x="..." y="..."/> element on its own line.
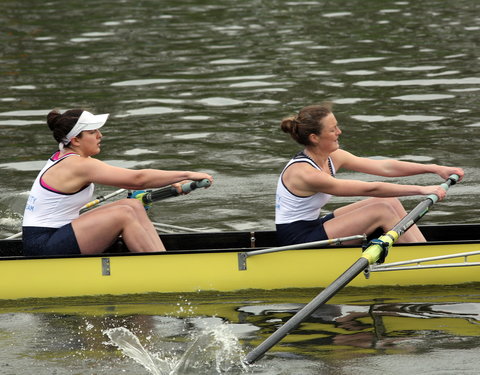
<point x="96" y="171"/>
<point x="390" y="167"/>
<point x="377" y="189"/>
<point x="302" y="179"/>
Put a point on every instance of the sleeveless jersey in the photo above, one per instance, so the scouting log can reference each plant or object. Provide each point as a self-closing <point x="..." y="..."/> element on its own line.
<point x="47" y="207"/>
<point x="290" y="207"/>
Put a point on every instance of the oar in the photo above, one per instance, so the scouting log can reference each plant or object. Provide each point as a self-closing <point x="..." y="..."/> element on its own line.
<point x="152" y="196"/>
<point x="101" y="199"/>
<point x="377" y="249"/>
<point x="170" y="191"/>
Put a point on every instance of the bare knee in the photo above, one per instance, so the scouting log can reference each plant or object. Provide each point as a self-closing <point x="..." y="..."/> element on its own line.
<point x="124" y="213"/>
<point x="395" y="203"/>
<point x="386" y="208"/>
<point x="380" y="214"/>
<point x="390" y="205"/>
<point x="134" y="204"/>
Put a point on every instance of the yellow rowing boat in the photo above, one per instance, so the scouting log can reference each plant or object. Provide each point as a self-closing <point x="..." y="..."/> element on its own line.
<point x="225" y="261"/>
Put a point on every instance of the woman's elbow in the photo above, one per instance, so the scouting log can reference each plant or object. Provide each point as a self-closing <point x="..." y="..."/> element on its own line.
<point x="372" y="189"/>
<point x="139" y="180"/>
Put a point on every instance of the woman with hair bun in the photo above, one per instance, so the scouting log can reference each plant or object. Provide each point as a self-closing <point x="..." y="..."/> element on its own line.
<point x="52" y="224"/>
<point x="308" y="181"/>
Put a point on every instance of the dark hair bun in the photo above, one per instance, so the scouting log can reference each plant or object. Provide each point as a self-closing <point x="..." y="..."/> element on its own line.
<point x="289" y="125"/>
<point x="52" y="119"/>
<point x="307" y="121"/>
<point x="61" y="124"/>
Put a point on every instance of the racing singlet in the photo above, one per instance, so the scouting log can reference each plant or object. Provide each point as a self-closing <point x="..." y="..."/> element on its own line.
<point x="290" y="207"/>
<point x="47" y="207"/>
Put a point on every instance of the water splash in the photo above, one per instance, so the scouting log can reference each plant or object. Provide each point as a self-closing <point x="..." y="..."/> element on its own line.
<point x="130" y="346"/>
<point x="211" y="348"/>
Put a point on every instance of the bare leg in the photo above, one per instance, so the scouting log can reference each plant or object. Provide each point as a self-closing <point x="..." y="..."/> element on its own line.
<point x="412" y="235"/>
<point x="367" y="215"/>
<point x="99" y="228"/>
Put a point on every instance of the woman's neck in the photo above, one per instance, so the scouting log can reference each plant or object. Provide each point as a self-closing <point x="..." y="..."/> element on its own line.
<point x="69" y="150"/>
<point x="317" y="156"/>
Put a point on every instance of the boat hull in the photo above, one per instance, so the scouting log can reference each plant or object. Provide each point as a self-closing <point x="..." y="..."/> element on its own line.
<point x="185" y="271"/>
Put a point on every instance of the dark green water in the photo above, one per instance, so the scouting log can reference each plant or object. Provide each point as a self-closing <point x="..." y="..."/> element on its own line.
<point x="203" y="86"/>
<point x="368" y="331"/>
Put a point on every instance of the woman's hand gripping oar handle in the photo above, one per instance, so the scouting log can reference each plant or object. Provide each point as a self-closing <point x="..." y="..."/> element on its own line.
<point x="148" y="198"/>
<point x="371" y="255"/>
<point x="416" y="214"/>
<point x="452" y="180"/>
<point x="378" y="248"/>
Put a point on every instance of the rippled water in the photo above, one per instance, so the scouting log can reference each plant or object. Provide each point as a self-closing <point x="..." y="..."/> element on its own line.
<point x="360" y="332"/>
<point x="203" y="85"/>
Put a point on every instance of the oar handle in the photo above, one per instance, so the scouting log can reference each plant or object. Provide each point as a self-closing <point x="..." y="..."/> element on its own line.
<point x="189" y="186"/>
<point x="170" y="191"/>
<point x="451" y="180"/>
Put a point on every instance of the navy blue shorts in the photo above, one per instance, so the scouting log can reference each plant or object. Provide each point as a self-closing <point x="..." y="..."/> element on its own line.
<point x="302" y="231"/>
<point x="50" y="241"/>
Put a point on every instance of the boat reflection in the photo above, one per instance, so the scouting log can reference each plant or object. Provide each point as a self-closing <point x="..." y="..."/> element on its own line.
<point x="355" y="324"/>
<point x="336" y="329"/>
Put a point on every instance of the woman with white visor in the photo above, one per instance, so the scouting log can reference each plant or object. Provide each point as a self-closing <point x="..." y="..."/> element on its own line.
<point x="52" y="224"/>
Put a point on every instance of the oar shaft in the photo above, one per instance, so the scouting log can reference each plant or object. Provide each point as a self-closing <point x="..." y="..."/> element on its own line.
<point x="101" y="199"/>
<point x="159" y="195"/>
<point x="170" y="191"/>
<point x="422" y="208"/>
<point x="307" y="310"/>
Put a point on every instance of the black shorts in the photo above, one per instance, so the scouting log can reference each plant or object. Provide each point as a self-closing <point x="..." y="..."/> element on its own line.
<point x="50" y="241"/>
<point x="302" y="231"/>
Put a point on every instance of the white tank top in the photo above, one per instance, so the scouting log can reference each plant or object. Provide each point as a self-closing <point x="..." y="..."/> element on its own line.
<point x="47" y="207"/>
<point x="290" y="207"/>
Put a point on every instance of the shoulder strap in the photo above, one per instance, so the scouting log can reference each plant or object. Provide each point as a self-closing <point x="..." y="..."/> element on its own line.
<point x="55" y="157"/>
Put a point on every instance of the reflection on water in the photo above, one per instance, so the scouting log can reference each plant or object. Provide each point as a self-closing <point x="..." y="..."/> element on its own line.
<point x="210" y="333"/>
<point x="346" y="330"/>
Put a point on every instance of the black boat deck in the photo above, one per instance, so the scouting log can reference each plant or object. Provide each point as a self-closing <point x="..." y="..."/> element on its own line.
<point x="260" y="239"/>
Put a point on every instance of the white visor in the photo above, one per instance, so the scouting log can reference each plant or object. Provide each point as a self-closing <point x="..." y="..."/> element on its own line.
<point x="86" y="121"/>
